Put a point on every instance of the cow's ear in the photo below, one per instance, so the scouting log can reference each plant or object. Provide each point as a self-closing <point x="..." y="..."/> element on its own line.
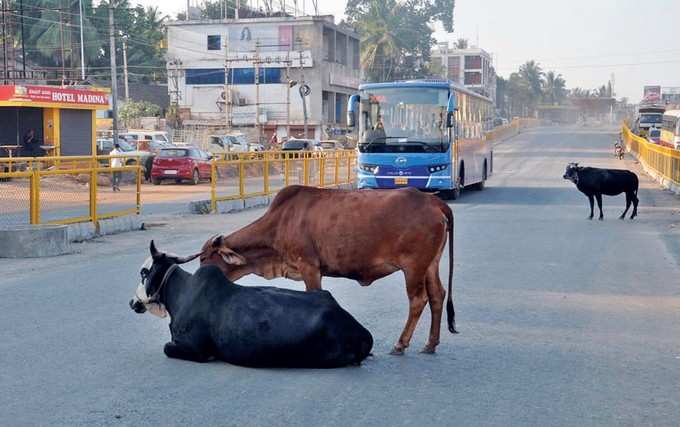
<point x="154" y="252"/>
<point x="231" y="257"/>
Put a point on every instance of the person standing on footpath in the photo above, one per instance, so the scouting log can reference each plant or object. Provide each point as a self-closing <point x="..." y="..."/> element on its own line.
<point x="116" y="162"/>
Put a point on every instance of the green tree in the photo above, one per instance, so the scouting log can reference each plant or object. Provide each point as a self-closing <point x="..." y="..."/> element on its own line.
<point x="132" y="111"/>
<point x="397" y="35"/>
<point x="461" y="44"/>
<point x="554" y="88"/>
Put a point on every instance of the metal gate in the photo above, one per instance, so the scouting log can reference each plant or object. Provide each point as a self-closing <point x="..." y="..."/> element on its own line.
<point x="76" y="132"/>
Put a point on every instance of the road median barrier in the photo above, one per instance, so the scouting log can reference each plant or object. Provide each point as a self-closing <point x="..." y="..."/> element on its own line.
<point x="34" y="241"/>
<point x="662" y="163"/>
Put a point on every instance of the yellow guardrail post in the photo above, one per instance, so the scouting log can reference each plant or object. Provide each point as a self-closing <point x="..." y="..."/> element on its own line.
<point x="266" y="175"/>
<point x="349" y="169"/>
<point x="35" y="198"/>
<point x="93" y="194"/>
<point x="286" y="170"/>
<point x="305" y="171"/>
<point x="213" y="185"/>
<point x="241" y="182"/>
<point x="336" y="173"/>
<point x="138" y="199"/>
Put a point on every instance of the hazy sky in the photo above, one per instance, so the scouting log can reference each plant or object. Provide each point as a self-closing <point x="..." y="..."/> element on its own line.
<point x="584" y="40"/>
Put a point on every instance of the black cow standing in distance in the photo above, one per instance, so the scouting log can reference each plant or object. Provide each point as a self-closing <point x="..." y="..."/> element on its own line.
<point x="594" y="182"/>
<point x="212" y="318"/>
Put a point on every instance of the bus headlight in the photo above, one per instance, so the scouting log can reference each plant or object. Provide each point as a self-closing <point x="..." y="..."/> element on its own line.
<point x="369" y="168"/>
<point x="437" y="168"/>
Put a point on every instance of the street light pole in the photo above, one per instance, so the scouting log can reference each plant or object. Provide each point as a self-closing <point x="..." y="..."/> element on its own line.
<point x="114" y="75"/>
<point x="82" y="44"/>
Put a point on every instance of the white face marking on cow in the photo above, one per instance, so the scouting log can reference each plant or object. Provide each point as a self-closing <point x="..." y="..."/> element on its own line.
<point x="154" y="308"/>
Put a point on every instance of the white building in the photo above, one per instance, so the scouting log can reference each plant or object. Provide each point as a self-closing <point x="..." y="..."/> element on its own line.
<point x="472" y="67"/>
<point x="287" y="48"/>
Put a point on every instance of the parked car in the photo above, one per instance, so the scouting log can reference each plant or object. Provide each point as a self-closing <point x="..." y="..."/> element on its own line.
<point x="223" y="144"/>
<point x="181" y="163"/>
<point x="295" y="144"/>
<point x="152" y="141"/>
<point x="330" y="145"/>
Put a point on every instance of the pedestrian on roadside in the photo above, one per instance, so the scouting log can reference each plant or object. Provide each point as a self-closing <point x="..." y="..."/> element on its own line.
<point x="116" y="162"/>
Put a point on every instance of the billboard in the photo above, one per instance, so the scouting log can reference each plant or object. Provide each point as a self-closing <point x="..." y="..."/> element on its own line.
<point x="651" y="94"/>
<point x="54" y="95"/>
<point x="670" y="95"/>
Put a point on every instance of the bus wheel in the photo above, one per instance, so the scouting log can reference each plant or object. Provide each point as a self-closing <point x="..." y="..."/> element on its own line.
<point x="480" y="185"/>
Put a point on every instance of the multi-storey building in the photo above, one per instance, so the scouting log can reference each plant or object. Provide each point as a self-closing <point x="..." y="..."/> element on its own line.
<point x="284" y="50"/>
<point x="471" y="67"/>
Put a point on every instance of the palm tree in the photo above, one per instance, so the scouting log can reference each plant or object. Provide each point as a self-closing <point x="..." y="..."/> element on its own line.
<point x="553" y="88"/>
<point x="533" y="74"/>
<point x="381" y="48"/>
<point x="461" y="44"/>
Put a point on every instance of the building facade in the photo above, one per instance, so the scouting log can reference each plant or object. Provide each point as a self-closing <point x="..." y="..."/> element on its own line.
<point x="471" y="67"/>
<point x="248" y="72"/>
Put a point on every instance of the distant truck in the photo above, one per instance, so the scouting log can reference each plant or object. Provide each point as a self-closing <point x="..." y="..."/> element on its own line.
<point x="649" y="117"/>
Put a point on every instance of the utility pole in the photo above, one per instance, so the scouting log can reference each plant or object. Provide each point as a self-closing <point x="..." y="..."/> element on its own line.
<point x="23" y="45"/>
<point x="303" y="91"/>
<point x="4" y="43"/>
<point x="257" y="92"/>
<point x="114" y="76"/>
<point x="82" y="43"/>
<point x="227" y="88"/>
<point x="61" y="38"/>
<point x="288" y="95"/>
<point x="188" y="9"/>
<point x="125" y="70"/>
<point x="238" y="7"/>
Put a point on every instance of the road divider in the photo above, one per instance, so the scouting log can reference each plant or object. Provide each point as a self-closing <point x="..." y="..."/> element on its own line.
<point x="662" y="163"/>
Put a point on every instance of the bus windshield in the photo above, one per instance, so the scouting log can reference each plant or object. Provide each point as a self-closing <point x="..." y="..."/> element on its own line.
<point x="403" y="120"/>
<point x="651" y="118"/>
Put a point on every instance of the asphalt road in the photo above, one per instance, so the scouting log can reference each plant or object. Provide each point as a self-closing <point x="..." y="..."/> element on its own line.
<point x="563" y="321"/>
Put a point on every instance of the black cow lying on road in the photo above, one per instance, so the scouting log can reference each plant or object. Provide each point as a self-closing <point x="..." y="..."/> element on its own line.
<point x="594" y="182"/>
<point x="213" y="318"/>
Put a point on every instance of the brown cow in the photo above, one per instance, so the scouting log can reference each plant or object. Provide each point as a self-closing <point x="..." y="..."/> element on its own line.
<point x="364" y="235"/>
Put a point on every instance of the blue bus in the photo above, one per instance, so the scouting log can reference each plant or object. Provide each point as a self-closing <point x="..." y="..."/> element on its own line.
<point x="427" y="134"/>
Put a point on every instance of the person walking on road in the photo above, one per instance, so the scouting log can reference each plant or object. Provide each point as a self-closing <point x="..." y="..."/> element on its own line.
<point x="116" y="162"/>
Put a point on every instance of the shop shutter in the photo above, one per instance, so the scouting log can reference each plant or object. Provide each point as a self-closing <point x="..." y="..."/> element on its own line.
<point x="76" y="132"/>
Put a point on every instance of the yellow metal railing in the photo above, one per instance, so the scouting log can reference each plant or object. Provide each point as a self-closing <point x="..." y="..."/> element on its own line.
<point x="66" y="190"/>
<point x="664" y="161"/>
<point x="511" y="129"/>
<point x="246" y="175"/>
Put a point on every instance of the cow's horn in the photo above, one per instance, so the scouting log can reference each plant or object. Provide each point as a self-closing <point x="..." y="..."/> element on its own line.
<point x="185" y="259"/>
<point x="154" y="252"/>
<point x="217" y="241"/>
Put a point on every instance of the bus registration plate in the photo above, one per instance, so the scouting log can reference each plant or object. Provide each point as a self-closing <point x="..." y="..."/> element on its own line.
<point x="401" y="181"/>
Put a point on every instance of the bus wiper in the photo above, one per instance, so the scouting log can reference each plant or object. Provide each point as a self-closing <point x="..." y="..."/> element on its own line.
<point x="379" y="138"/>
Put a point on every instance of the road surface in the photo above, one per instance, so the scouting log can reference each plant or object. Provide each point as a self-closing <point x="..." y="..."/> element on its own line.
<point x="563" y="321"/>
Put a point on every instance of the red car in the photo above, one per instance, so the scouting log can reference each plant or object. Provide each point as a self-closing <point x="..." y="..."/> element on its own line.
<point x="181" y="163"/>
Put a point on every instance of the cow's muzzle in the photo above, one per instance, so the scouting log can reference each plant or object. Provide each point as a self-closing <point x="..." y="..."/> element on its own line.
<point x="137" y="306"/>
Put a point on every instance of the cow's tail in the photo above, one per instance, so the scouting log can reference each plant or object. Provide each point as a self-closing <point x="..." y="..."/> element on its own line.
<point x="450" y="311"/>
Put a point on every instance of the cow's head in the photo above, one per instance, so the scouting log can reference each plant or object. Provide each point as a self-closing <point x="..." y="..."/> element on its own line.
<point x="216" y="252"/>
<point x="154" y="274"/>
<point x="572" y="172"/>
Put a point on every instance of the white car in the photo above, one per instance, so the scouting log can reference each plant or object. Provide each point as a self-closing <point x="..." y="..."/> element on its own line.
<point x="223" y="144"/>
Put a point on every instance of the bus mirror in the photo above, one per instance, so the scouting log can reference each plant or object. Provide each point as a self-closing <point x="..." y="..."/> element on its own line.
<point x="352" y="105"/>
<point x="450" y="109"/>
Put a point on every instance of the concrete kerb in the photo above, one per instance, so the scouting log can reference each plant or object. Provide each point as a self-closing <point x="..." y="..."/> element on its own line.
<point x="34" y="241"/>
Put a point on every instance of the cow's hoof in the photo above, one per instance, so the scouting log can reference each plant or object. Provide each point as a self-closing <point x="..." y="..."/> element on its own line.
<point x="396" y="351"/>
<point x="601" y="218"/>
<point x="622" y="217"/>
<point x="590" y="218"/>
<point x="428" y="350"/>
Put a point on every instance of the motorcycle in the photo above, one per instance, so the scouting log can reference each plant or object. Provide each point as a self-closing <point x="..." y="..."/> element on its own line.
<point x="618" y="151"/>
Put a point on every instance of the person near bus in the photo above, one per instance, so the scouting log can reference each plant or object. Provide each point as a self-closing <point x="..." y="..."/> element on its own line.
<point x="116" y="162"/>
